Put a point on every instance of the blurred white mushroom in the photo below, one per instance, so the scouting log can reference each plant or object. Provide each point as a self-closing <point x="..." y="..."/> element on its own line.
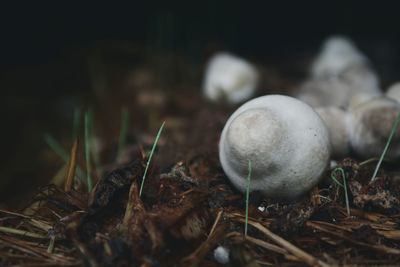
<point x="320" y="92"/>
<point x="340" y="76"/>
<point x="346" y="94"/>
<point x="338" y="53"/>
<point x="371" y="123"/>
<point x="229" y="78"/>
<point x="337" y="121"/>
<point x="393" y="92"/>
<point x="286" y="141"/>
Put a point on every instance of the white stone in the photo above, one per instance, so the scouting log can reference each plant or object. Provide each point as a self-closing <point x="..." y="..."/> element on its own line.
<point x="286" y="141"/>
<point x="229" y="78"/>
<point x="221" y="255"/>
<point x="261" y="208"/>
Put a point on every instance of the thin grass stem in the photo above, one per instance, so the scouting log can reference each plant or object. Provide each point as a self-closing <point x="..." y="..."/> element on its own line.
<point x="334" y="178"/>
<point x="151" y="154"/>
<point x="247" y="199"/>
<point x="344" y="185"/>
<point x="386" y="147"/>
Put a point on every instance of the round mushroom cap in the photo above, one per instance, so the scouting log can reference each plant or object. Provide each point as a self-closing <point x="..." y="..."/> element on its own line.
<point x="337" y="121"/>
<point x="285" y="140"/>
<point x="394" y="92"/>
<point x="370" y="126"/>
<point x="354" y="85"/>
<point x="337" y="54"/>
<point x="319" y="92"/>
<point x="229" y="78"/>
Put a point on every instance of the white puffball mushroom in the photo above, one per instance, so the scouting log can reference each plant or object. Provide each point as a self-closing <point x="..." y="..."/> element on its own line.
<point x="337" y="54"/>
<point x="229" y="78"/>
<point x="319" y="92"/>
<point x="340" y="76"/>
<point x="286" y="141"/>
<point x="337" y="121"/>
<point x="371" y="124"/>
<point x="221" y="255"/>
<point x="393" y="92"/>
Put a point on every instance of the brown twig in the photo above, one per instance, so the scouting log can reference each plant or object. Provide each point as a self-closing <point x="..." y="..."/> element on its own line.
<point x="215" y="223"/>
<point x="21" y="245"/>
<point x="381" y="248"/>
<point x="21" y="232"/>
<point x="299" y="253"/>
<point x="71" y="166"/>
<point x="314" y="196"/>
<point x="258" y="242"/>
<point x="196" y="257"/>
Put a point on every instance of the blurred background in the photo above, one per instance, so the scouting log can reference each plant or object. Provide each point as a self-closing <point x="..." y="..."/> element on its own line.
<point x="55" y="58"/>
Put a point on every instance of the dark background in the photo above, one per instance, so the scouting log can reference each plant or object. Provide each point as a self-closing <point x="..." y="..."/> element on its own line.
<point x="40" y="45"/>
<point x="33" y="33"/>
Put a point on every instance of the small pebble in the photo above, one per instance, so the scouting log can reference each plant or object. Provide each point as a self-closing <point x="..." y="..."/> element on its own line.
<point x="221" y="255"/>
<point x="261" y="208"/>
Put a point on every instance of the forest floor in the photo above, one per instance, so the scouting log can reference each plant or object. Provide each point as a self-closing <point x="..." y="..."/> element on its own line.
<point x="188" y="208"/>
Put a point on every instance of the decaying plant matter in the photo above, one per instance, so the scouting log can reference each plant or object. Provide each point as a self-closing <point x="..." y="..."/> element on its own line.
<point x="188" y="211"/>
<point x="185" y="213"/>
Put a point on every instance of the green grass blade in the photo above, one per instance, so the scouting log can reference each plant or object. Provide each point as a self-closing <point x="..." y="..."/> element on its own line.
<point x="386" y="147"/>
<point x="87" y="153"/>
<point x="344" y="185"/>
<point x="151" y="154"/>
<point x="334" y="178"/>
<point x="247" y="198"/>
<point x="52" y="142"/>
<point x="123" y="130"/>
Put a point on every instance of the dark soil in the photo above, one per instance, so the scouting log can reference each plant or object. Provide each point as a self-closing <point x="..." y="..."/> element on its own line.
<point x="188" y="207"/>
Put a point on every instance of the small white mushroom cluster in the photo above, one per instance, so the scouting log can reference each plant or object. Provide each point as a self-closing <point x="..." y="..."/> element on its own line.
<point x="345" y="92"/>
<point x="229" y="78"/>
<point x="340" y="75"/>
<point x="286" y="142"/>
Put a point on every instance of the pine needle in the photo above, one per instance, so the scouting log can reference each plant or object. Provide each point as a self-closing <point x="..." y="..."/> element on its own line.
<point x="50" y="248"/>
<point x="151" y="154"/>
<point x="61" y="152"/>
<point x="10" y="230"/>
<point x="71" y="167"/>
